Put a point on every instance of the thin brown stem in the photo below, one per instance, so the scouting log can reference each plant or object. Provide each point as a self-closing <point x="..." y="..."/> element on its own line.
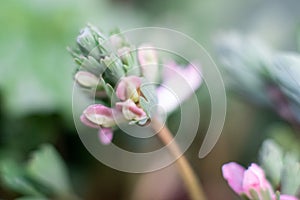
<point x="189" y="177"/>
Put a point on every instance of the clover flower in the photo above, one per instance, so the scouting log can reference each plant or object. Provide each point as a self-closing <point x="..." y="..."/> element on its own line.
<point x="124" y="80"/>
<point x="250" y="182"/>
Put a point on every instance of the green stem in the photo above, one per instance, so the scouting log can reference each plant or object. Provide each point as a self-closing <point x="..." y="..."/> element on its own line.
<point x="192" y="184"/>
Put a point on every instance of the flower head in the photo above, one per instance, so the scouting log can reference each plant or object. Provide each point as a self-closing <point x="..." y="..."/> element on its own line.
<point x="111" y="69"/>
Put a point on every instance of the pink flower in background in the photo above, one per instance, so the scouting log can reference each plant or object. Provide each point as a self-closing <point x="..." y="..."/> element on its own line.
<point x="242" y="181"/>
<point x="234" y="174"/>
<point x="287" y="197"/>
<point x="148" y="60"/>
<point x="178" y="84"/>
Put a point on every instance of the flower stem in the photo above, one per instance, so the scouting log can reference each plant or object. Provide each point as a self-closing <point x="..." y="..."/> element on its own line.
<point x="192" y="184"/>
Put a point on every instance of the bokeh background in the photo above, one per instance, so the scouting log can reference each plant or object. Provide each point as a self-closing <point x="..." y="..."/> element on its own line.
<point x="36" y="87"/>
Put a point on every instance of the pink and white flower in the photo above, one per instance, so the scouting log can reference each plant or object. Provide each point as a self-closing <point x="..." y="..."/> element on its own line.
<point x="128" y="88"/>
<point x="102" y="118"/>
<point x="131" y="111"/>
<point x="242" y="181"/>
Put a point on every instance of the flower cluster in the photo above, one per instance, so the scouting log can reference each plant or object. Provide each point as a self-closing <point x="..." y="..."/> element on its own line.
<point x="251" y="182"/>
<point x="124" y="79"/>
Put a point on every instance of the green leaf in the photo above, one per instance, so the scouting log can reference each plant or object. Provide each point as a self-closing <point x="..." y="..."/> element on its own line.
<point x="110" y="92"/>
<point x="32" y="198"/>
<point x="285" y="137"/>
<point x="271" y="159"/>
<point x="246" y="61"/>
<point x="277" y="195"/>
<point x="13" y="177"/>
<point x="290" y="175"/>
<point x="287" y="73"/>
<point x="254" y="195"/>
<point x="47" y="167"/>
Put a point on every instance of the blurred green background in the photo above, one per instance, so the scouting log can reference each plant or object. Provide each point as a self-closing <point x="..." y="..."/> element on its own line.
<point x="36" y="85"/>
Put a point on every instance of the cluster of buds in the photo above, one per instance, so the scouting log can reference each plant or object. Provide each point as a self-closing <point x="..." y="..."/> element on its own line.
<point x="123" y="80"/>
<point x="251" y="183"/>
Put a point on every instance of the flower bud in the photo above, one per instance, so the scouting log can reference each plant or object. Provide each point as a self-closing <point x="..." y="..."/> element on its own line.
<point x="116" y="41"/>
<point x="92" y="65"/>
<point x="87" y="43"/>
<point x="126" y="56"/>
<point x="115" y="70"/>
<point x="86" y="79"/>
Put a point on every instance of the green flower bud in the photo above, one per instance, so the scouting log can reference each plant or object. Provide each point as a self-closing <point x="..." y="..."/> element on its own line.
<point x="87" y="43"/>
<point x="92" y="65"/>
<point x="115" y="69"/>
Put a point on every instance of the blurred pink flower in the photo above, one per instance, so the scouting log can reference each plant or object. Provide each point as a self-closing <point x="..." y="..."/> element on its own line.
<point x="286" y="197"/>
<point x="234" y="174"/>
<point x="148" y="60"/>
<point x="179" y="83"/>
<point x="242" y="181"/>
<point x="254" y="178"/>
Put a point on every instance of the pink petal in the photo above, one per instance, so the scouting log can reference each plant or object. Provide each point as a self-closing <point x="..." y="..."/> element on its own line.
<point x="137" y="111"/>
<point x="127" y="86"/>
<point x="178" y="85"/>
<point x="98" y="109"/>
<point x="101" y="115"/>
<point x="87" y="122"/>
<point x="130" y="110"/>
<point x="234" y="174"/>
<point x="254" y="178"/>
<point x="287" y="197"/>
<point x="105" y="135"/>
